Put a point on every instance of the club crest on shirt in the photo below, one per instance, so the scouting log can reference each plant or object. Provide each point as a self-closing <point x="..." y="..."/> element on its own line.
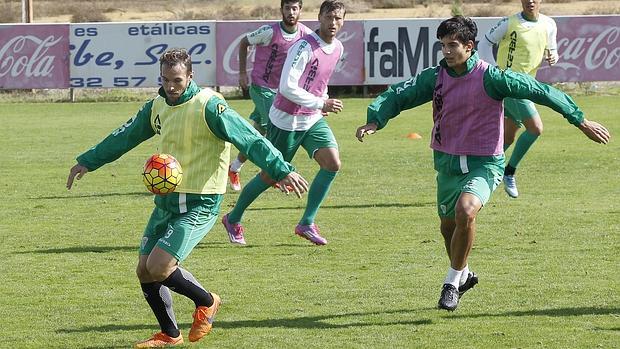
<point x="221" y="108"/>
<point x="157" y="124"/>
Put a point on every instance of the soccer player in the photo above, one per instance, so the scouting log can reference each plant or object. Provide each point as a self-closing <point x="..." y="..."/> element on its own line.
<point x="296" y="119"/>
<point x="524" y="39"/>
<point x="467" y="137"/>
<point x="181" y="219"/>
<point x="272" y="43"/>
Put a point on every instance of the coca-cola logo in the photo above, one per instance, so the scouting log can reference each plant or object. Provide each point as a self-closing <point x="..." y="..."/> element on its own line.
<point x="344" y="36"/>
<point x="232" y="51"/>
<point x="231" y="56"/>
<point x="27" y="55"/>
<point x="591" y="53"/>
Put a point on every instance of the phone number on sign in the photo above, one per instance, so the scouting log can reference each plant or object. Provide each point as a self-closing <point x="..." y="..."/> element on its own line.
<point x="119" y="81"/>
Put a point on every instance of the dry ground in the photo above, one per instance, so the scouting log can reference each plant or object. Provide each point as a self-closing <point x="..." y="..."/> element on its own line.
<point x="157" y="10"/>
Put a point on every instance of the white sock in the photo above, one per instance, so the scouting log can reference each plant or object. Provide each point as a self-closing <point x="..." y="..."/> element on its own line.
<point x="464" y="275"/>
<point x="236" y="165"/>
<point x="453" y="277"/>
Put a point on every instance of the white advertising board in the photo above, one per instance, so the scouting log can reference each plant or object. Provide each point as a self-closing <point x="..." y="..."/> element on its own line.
<point x="397" y="49"/>
<point x="126" y="54"/>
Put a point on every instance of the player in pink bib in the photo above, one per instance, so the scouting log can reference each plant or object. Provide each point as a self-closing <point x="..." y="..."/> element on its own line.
<point x="296" y="119"/>
<point x="271" y="43"/>
<point x="467" y="137"/>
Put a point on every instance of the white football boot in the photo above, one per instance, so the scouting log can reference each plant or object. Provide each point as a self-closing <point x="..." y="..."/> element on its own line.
<point x="510" y="185"/>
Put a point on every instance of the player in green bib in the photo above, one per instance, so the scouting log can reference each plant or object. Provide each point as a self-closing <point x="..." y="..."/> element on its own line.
<point x="523" y="41"/>
<point x="196" y="126"/>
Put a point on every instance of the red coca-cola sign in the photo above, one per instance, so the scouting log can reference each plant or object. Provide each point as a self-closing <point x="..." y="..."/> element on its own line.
<point x="349" y="71"/>
<point x="34" y="56"/>
<point x="589" y="49"/>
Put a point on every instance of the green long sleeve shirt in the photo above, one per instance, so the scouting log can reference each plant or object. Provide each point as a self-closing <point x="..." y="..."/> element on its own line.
<point x="498" y="84"/>
<point x="228" y="125"/>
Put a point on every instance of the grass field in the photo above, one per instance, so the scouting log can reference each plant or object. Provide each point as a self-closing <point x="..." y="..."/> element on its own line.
<point x="548" y="261"/>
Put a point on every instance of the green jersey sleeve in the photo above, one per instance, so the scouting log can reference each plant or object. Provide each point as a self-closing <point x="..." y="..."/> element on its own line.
<point x="402" y="96"/>
<point x="228" y="125"/>
<point x="500" y="84"/>
<point x="135" y="131"/>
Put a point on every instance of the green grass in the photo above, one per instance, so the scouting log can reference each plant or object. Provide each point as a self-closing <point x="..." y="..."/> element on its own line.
<point x="548" y="261"/>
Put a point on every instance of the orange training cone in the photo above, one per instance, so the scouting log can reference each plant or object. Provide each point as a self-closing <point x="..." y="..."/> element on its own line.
<point x="414" y="135"/>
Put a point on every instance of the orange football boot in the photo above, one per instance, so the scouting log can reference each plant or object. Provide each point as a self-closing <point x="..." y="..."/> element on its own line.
<point x="203" y="319"/>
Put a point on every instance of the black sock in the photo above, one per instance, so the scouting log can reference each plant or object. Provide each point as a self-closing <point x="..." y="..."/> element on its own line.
<point x="509" y="170"/>
<point x="183" y="282"/>
<point x="160" y="300"/>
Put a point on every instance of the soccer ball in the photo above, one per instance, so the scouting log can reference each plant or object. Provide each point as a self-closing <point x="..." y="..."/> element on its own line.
<point x="162" y="173"/>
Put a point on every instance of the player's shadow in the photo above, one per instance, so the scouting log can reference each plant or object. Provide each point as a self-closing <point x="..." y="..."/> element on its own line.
<point x="106" y="346"/>
<point x="308" y="322"/>
<point x="326" y="321"/>
<point x="82" y="249"/>
<point x="134" y="248"/>
<point x="92" y="195"/>
<point x="559" y="312"/>
<point x="367" y="205"/>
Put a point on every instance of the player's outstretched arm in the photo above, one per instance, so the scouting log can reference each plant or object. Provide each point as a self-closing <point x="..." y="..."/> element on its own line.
<point x="595" y="131"/>
<point x="77" y="170"/>
<point x="367" y="129"/>
<point x="294" y="181"/>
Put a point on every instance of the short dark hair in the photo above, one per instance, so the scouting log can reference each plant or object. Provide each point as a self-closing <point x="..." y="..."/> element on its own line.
<point x="332" y="5"/>
<point x="462" y="28"/>
<point x="176" y="56"/>
<point x="283" y="2"/>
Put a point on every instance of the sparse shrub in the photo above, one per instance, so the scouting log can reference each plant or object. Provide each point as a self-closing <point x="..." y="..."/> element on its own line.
<point x="358" y="7"/>
<point x="50" y="9"/>
<point x="182" y="12"/>
<point x="602" y="11"/>
<point x="391" y="3"/>
<point x="227" y="12"/>
<point x="189" y="15"/>
<point x="265" y="12"/>
<point x="87" y="12"/>
<point x="111" y="10"/>
<point x="232" y="12"/>
<point x="426" y="3"/>
<point x="457" y="8"/>
<point x="483" y="11"/>
<point x="10" y="13"/>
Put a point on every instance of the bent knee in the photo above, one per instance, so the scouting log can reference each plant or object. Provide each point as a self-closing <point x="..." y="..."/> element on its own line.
<point x="465" y="214"/>
<point x="534" y="126"/>
<point x="142" y="273"/>
<point x="158" y="271"/>
<point x="333" y="166"/>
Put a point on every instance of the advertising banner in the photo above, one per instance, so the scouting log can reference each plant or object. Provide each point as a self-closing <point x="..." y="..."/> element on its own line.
<point x="589" y="49"/>
<point x="350" y="71"/>
<point x="377" y="52"/>
<point x="34" y="56"/>
<point x="127" y="54"/>
<point x="397" y="49"/>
